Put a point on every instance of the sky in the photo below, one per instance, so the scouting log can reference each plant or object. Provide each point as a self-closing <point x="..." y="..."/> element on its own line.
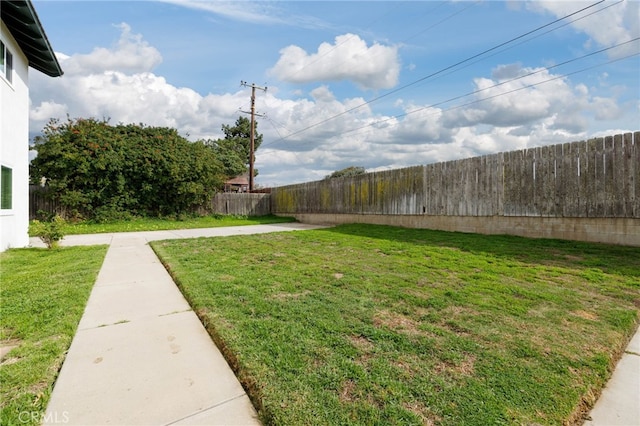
<point x="374" y="84"/>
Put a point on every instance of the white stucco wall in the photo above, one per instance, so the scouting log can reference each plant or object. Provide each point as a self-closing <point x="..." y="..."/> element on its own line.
<point x="14" y="145"/>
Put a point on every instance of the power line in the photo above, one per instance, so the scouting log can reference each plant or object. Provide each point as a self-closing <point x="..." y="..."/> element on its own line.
<point x="273" y="124"/>
<point x="443" y="20"/>
<point x="532" y="38"/>
<point x="538" y="83"/>
<point x="439" y="72"/>
<point x="475" y="92"/>
<point x="506" y="82"/>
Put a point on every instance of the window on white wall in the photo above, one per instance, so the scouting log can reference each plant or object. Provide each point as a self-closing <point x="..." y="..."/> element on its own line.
<point x="6" y="62"/>
<point x="9" y="67"/>
<point x="6" y="188"/>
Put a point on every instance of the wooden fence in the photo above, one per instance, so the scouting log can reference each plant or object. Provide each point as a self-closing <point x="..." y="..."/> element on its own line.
<point x="228" y="203"/>
<point x="597" y="178"/>
<point x="244" y="204"/>
<point x="40" y="204"/>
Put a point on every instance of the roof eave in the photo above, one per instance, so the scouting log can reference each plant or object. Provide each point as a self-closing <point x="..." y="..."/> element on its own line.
<point x="25" y="27"/>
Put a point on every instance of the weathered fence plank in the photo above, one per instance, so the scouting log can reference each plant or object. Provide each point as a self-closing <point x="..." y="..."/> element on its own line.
<point x="599" y="165"/>
<point x="509" y="174"/>
<point x="609" y="187"/>
<point x="617" y="163"/>
<point x="628" y="174"/>
<point x="560" y="190"/>
<point x="528" y="184"/>
<point x="584" y="194"/>
<point x="591" y="176"/>
<point x="568" y="182"/>
<point x="500" y="184"/>
<point x="547" y="181"/>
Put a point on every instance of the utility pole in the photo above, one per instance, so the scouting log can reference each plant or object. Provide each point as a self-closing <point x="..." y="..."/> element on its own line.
<point x="253" y="127"/>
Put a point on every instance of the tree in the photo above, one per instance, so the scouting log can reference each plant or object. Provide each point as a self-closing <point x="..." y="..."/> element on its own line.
<point x="234" y="149"/>
<point x="347" y="172"/>
<point x="104" y="172"/>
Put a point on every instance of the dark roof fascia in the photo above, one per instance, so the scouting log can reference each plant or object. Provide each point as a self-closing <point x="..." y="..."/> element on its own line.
<point x="239" y="180"/>
<point x="25" y="27"/>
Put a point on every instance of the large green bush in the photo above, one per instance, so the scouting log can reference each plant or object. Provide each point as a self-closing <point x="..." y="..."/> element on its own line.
<point x="104" y="172"/>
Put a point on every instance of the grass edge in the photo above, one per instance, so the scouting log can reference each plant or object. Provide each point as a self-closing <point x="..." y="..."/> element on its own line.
<point x="248" y="383"/>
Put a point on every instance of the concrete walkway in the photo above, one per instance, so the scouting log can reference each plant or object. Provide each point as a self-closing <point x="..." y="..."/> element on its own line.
<point x="140" y="355"/>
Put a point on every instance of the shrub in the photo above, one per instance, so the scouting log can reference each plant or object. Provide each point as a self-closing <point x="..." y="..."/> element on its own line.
<point x="109" y="172"/>
<point x="50" y="232"/>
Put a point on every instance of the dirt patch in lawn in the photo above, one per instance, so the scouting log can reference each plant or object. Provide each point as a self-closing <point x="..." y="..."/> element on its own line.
<point x="361" y="342"/>
<point x="396" y="322"/>
<point x="466" y="367"/>
<point x="427" y="417"/>
<point x="585" y="315"/>
<point x="286" y="296"/>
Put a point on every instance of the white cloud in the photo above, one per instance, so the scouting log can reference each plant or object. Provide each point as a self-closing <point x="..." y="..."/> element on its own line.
<point x="133" y="98"/>
<point x="116" y="83"/>
<point x="323" y="94"/>
<point x="130" y="54"/>
<point x="424" y="126"/>
<point x="606" y="109"/>
<point x="349" y="58"/>
<point x="508" y="101"/>
<point x="299" y="117"/>
<point x="47" y="110"/>
<point x="616" y="24"/>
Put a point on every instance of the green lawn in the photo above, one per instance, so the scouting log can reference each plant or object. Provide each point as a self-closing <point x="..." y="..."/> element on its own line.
<point x="42" y="298"/>
<point x="364" y="324"/>
<point x="162" y="224"/>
